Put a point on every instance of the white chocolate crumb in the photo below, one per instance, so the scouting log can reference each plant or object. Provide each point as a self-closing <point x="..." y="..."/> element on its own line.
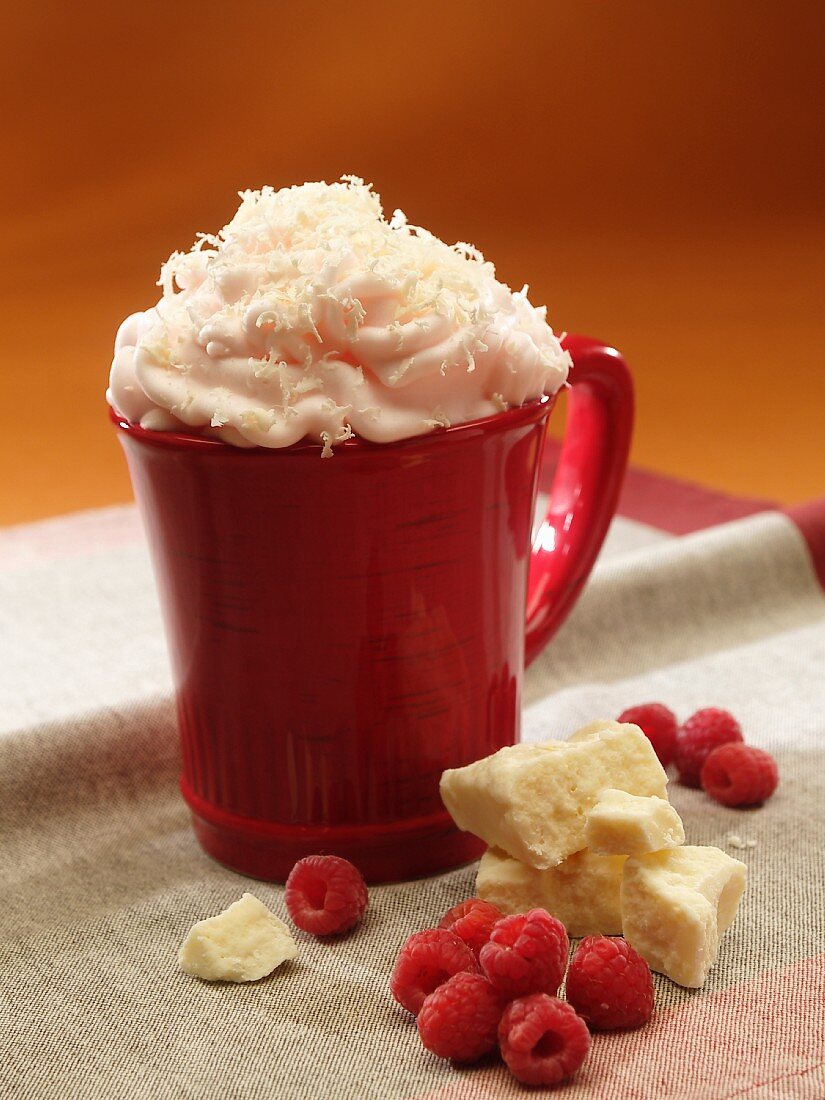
<point x="242" y="944"/>
<point x="733" y="840"/>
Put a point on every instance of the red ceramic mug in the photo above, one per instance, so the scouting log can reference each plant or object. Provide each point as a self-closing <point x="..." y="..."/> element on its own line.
<point x="343" y="630"/>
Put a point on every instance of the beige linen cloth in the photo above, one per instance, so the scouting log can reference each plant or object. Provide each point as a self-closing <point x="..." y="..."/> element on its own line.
<point x="102" y="877"/>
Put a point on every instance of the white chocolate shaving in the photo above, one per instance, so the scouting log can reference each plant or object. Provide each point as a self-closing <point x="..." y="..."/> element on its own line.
<point x="308" y="293"/>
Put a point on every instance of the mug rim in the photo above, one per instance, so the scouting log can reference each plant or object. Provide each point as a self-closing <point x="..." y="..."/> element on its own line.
<point x="530" y="411"/>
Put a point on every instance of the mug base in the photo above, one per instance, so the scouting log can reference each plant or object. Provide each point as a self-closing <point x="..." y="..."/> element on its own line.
<point x="394" y="852"/>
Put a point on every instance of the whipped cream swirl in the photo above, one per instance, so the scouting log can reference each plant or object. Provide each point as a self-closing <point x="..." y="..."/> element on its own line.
<point x="311" y="316"/>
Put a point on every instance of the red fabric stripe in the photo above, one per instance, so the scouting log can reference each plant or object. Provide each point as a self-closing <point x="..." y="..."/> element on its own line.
<point x="810" y="519"/>
<point x="669" y="504"/>
<point x="680" y="507"/>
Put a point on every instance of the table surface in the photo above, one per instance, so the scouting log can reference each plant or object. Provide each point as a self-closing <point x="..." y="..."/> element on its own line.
<point x="109" y="878"/>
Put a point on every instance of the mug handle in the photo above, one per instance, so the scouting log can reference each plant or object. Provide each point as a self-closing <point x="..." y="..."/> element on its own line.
<point x="585" y="486"/>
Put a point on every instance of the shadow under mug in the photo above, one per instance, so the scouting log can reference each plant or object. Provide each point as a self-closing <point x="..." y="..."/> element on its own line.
<point x="343" y="630"/>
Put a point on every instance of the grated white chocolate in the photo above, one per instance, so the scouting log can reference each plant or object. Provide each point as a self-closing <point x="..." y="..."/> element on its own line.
<point x="311" y="316"/>
<point x="733" y="840"/>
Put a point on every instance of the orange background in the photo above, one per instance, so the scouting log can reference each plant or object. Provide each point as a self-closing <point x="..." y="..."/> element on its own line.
<point x="652" y="169"/>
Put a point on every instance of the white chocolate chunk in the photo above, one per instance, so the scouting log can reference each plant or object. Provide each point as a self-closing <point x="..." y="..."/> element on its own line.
<point x="676" y="904"/>
<point x="630" y="825"/>
<point x="242" y="944"/>
<point x="532" y="800"/>
<point x="583" y="892"/>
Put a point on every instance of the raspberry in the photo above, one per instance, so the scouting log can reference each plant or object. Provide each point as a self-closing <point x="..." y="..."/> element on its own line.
<point x="325" y="895"/>
<point x="426" y="961"/>
<point x="542" y="1039"/>
<point x="702" y="732"/>
<point x="609" y="984"/>
<point x="658" y="723"/>
<point x="526" y="953"/>
<point x="472" y="921"/>
<point x="739" y="775"/>
<point x="459" y="1020"/>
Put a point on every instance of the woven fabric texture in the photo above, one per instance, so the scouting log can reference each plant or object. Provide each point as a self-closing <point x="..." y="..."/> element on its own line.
<point x="101" y="876"/>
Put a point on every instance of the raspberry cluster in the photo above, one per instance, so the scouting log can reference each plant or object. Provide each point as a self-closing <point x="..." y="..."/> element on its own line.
<point x="709" y="752"/>
<point x="482" y="980"/>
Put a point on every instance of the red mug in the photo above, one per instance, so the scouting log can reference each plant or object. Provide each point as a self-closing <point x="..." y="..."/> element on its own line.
<point x="343" y="630"/>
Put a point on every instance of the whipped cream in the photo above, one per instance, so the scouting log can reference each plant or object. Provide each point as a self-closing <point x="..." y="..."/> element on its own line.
<point x="311" y="316"/>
